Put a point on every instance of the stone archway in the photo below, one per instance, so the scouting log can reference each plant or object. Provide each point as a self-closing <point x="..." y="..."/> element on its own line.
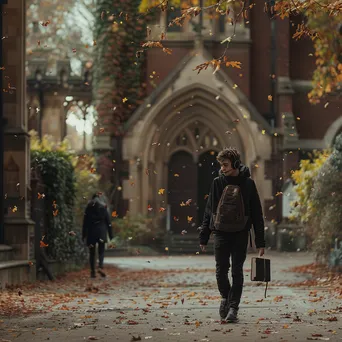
<point x="153" y="140"/>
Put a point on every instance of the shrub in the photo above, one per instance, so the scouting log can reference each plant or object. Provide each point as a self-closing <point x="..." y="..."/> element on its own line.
<point x="137" y="230"/>
<point x="318" y="186"/>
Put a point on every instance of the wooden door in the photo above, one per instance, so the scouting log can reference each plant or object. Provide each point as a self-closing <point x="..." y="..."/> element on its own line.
<point x="207" y="171"/>
<point x="182" y="186"/>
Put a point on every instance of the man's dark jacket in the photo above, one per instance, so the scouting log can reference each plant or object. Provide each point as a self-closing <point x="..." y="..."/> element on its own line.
<point x="96" y="223"/>
<point x="251" y="201"/>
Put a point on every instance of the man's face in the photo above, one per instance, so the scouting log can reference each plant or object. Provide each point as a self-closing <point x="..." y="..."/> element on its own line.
<point x="226" y="167"/>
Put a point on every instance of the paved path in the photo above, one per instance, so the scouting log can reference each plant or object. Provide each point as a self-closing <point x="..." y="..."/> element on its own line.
<point x="176" y="299"/>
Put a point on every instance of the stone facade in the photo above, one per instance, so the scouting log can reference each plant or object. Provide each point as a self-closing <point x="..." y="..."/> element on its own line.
<point x="230" y="107"/>
<point x="19" y="228"/>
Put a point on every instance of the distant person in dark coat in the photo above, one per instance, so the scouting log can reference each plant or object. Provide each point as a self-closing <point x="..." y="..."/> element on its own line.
<point x="96" y="226"/>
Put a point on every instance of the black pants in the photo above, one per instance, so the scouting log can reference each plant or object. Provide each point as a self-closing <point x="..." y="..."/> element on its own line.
<point x="234" y="246"/>
<point x="101" y="249"/>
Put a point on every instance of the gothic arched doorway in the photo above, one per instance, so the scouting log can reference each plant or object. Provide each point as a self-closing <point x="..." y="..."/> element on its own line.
<point x="182" y="191"/>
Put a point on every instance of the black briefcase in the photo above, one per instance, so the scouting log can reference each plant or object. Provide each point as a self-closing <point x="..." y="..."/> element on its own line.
<point x="261" y="270"/>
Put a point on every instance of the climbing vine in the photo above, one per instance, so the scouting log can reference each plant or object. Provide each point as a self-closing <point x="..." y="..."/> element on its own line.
<point x="56" y="166"/>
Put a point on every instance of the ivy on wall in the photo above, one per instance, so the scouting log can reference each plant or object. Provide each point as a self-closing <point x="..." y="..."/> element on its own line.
<point x="59" y="175"/>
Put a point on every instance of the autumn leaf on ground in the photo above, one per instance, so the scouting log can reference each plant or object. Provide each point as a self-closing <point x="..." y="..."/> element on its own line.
<point x="138" y="338"/>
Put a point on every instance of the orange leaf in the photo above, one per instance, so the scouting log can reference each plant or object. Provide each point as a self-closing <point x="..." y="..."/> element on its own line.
<point x="43" y="244"/>
<point x="234" y="64"/>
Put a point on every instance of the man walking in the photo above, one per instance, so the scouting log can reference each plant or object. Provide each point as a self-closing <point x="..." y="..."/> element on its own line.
<point x="233" y="206"/>
<point x="96" y="226"/>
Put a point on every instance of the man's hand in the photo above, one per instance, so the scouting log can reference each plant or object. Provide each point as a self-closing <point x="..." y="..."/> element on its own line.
<point x="203" y="248"/>
<point x="261" y="252"/>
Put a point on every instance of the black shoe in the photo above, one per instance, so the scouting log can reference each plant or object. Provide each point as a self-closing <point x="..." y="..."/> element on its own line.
<point x="232" y="315"/>
<point x="224" y="307"/>
<point x="100" y="271"/>
<point x="92" y="274"/>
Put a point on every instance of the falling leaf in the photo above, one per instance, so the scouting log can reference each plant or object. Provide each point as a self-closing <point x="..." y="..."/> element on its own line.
<point x="124" y="100"/>
<point x="189" y="218"/>
<point x="206" y="196"/>
<point x="176" y="175"/>
<point x="102" y="130"/>
<point x="114" y="214"/>
<point x="269" y="97"/>
<point x="147" y="171"/>
<point x="161" y="191"/>
<point x="43" y="244"/>
<point x="161" y="209"/>
<point x="149" y="208"/>
<point x="176" y="218"/>
<point x="184" y="232"/>
<point x="72" y="233"/>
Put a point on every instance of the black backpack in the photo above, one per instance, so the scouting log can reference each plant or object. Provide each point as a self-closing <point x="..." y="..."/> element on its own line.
<point x="230" y="214"/>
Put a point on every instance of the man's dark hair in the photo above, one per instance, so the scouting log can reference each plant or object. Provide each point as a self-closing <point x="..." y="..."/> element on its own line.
<point x="96" y="195"/>
<point x="230" y="153"/>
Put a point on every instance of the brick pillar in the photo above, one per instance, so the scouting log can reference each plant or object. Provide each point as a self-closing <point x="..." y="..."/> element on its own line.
<point x="19" y="228"/>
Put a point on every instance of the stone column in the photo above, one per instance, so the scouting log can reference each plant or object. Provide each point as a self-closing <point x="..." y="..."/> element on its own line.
<point x="19" y="228"/>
